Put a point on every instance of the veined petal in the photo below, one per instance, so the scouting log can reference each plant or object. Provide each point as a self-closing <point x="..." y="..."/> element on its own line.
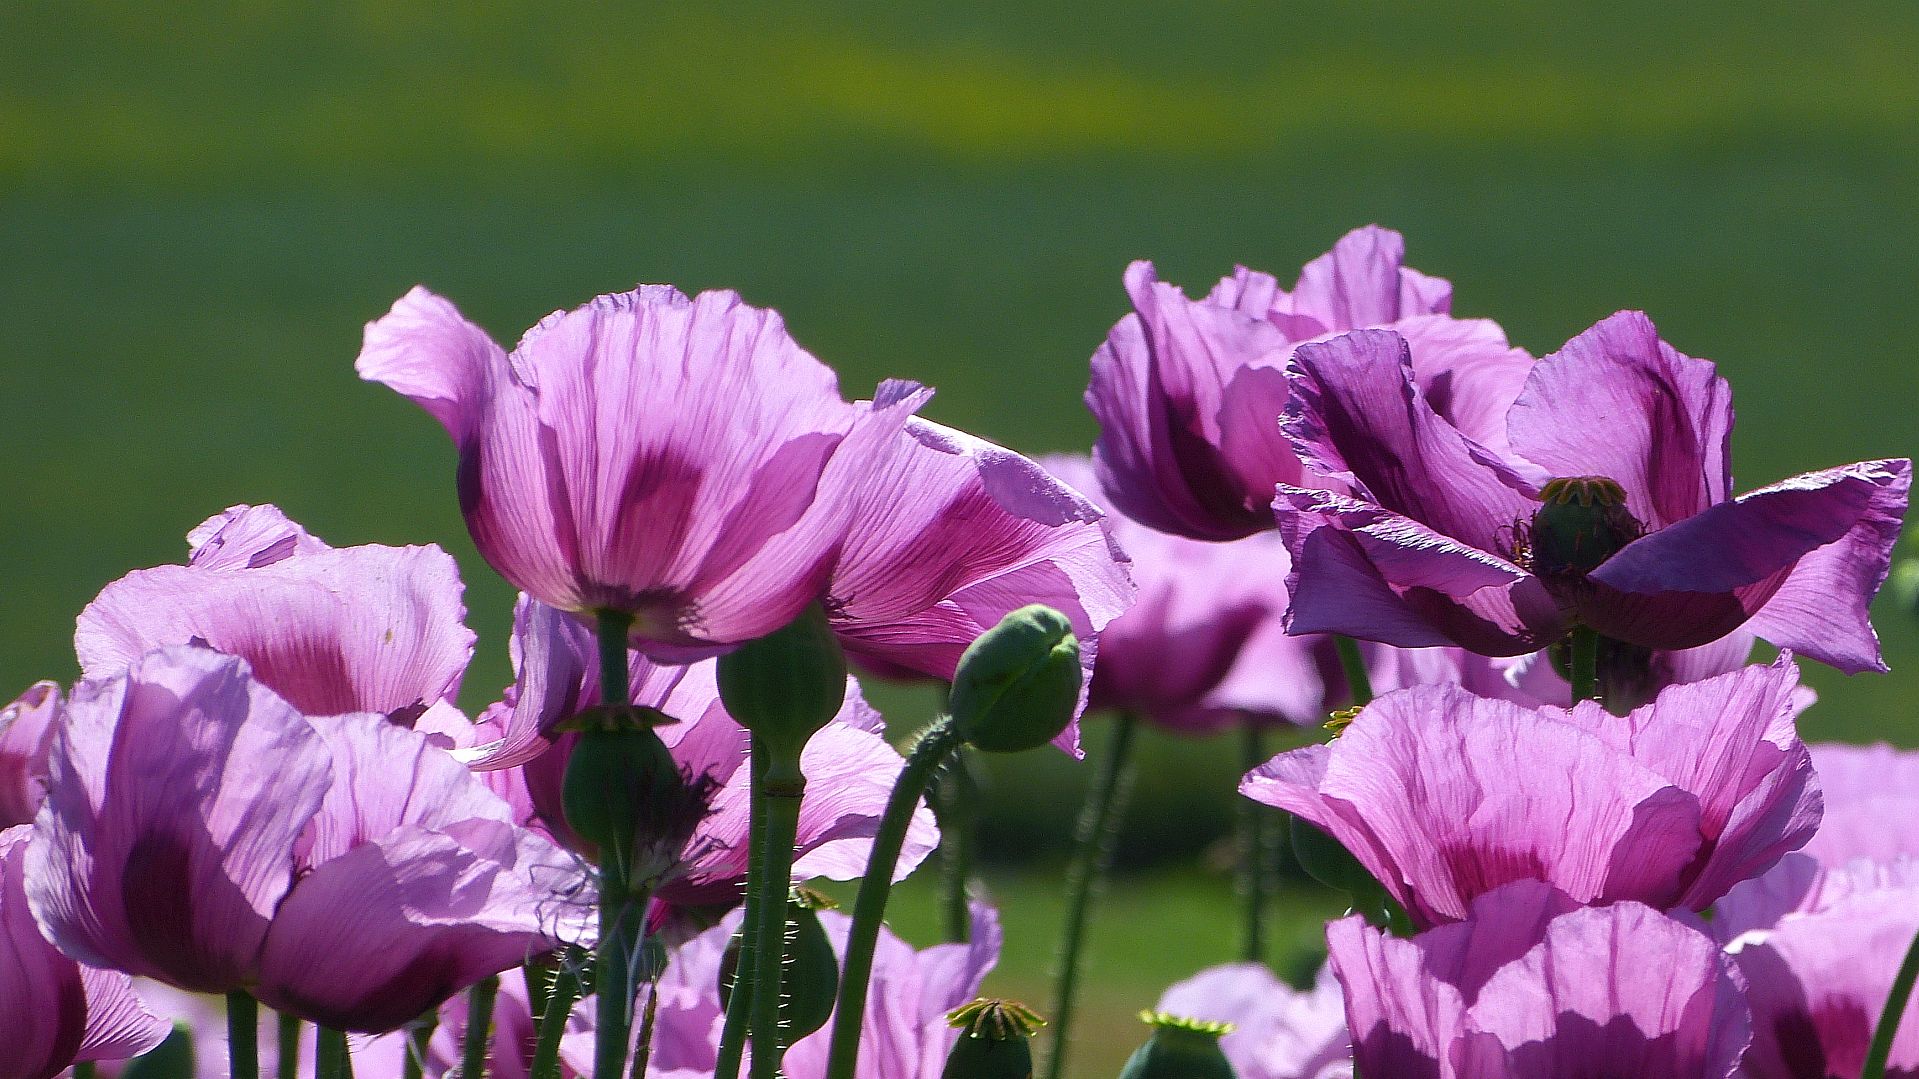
<point x="426" y="350"/>
<point x="1468" y="373"/>
<point x="165" y="846"/>
<point x="26" y="731"/>
<point x="1363" y="281"/>
<point x="247" y="537"/>
<point x="1617" y="401"/>
<point x="1404" y="1021"/>
<point x="43" y="1003"/>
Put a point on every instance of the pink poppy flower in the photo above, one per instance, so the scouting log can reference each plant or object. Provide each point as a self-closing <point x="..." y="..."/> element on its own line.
<point x="1278" y="1032"/>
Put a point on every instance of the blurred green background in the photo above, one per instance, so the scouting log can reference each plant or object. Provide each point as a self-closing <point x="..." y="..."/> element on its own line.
<point x="201" y="204"/>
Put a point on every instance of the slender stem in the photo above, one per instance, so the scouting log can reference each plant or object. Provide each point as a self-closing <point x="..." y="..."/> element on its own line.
<point x="540" y="973"/>
<point x="1881" y="1048"/>
<point x="613" y="627"/>
<point x="559" y="1004"/>
<point x="739" y="1008"/>
<point x="620" y="921"/>
<point x="780" y="792"/>
<point x="419" y="1041"/>
<point x="1585" y="664"/>
<point x="869" y="906"/>
<point x="958" y="796"/>
<point x="1353" y="665"/>
<point x="643" y="1051"/>
<point x="1092" y="856"/>
<point x="479" y="1027"/>
<point x="1254" y="822"/>
<point x="243" y="1035"/>
<point x="289" y="1047"/>
<point x="330" y="1057"/>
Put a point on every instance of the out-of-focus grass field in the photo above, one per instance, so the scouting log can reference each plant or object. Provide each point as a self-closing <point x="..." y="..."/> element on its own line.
<point x="201" y="204"/>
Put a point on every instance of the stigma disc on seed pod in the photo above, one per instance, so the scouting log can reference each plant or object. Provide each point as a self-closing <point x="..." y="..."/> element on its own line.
<point x="1581" y="522"/>
<point x="996" y="1040"/>
<point x="1180" y="1048"/>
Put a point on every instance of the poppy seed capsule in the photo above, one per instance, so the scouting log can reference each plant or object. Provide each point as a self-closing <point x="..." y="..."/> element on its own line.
<point x="1581" y="522"/>
<point x="996" y="1043"/>
<point x="1018" y="683"/>
<point x="1180" y="1049"/>
<point x="812" y="978"/>
<point x="623" y="790"/>
<point x="786" y="685"/>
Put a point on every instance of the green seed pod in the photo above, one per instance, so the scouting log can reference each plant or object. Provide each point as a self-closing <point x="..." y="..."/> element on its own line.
<point x="812" y="978"/>
<point x="997" y="1043"/>
<point x="785" y="686"/>
<point x="623" y="791"/>
<point x="171" y="1059"/>
<point x="1581" y="522"/>
<point x="1180" y="1049"/>
<point x="1017" y="685"/>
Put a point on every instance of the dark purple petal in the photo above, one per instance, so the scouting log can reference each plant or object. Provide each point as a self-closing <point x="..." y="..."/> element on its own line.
<point x="1404" y="1021"/>
<point x="175" y="796"/>
<point x="1618" y="402"/>
<point x="1468" y="372"/>
<point x="26" y="731"/>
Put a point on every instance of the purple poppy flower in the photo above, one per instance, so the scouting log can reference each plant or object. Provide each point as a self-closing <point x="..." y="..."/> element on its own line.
<point x="905" y="1037"/>
<point x="1445" y="540"/>
<point x="1443" y="795"/>
<point x="647" y="453"/>
<point x="354" y="629"/>
<point x="1818" y="980"/>
<point x="1532" y="986"/>
<point x="849" y="765"/>
<point x="1278" y="1031"/>
<point x="26" y="729"/>
<point x="200" y="831"/>
<point x="1186" y="391"/>
<point x="54" y="1011"/>
<point x="1633" y="676"/>
<point x="1871" y="793"/>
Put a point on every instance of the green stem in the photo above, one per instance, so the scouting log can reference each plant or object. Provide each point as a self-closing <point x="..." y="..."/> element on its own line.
<point x="1254" y="822"/>
<point x="869" y="906"/>
<point x="290" y="1046"/>
<point x="1585" y="664"/>
<point x="559" y="1004"/>
<point x="958" y="795"/>
<point x="1093" y="842"/>
<point x="419" y="1041"/>
<point x="330" y="1057"/>
<point x="1881" y="1048"/>
<point x="1353" y="665"/>
<point x="780" y="793"/>
<point x="479" y="1027"/>
<point x="643" y="1051"/>
<point x="85" y="1070"/>
<point x="620" y="923"/>
<point x="739" y="1008"/>
<point x="243" y="1035"/>
<point x="614" y="686"/>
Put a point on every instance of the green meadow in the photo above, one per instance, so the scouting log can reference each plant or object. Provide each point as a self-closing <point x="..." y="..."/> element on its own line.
<point x="201" y="205"/>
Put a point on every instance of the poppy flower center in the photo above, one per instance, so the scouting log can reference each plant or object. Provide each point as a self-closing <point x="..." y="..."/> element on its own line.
<point x="1581" y="522"/>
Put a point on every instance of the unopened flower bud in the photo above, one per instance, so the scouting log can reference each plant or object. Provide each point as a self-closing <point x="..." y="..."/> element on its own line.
<point x="1017" y="685"/>
<point x="786" y="685"/>
<point x="996" y="1043"/>
<point x="812" y="978"/>
<point x="624" y="791"/>
<point x="1327" y="861"/>
<point x="1180" y="1049"/>
<point x="1581" y="522"/>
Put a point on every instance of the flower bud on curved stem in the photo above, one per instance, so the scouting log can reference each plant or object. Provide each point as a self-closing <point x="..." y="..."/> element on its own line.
<point x="1018" y="683"/>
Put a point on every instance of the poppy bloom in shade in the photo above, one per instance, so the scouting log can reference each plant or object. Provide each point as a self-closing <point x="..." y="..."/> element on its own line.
<point x="1443" y="795"/>
<point x="353" y="629"/>
<point x="1186" y="391"/>
<point x="1278" y="1032"/>
<point x="201" y="831"/>
<point x="905" y="1034"/>
<point x="26" y="729"/>
<point x="53" y="1011"/>
<point x="648" y="453"/>
<point x="1533" y="986"/>
<point x="1613" y="510"/>
<point x="849" y="765"/>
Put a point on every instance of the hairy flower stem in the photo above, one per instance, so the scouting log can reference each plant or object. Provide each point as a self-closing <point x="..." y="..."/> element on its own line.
<point x="560" y="997"/>
<point x="957" y="793"/>
<point x="779" y="791"/>
<point x="869" y="906"/>
<point x="479" y="1027"/>
<point x="1093" y="843"/>
<point x="419" y="1037"/>
<point x="643" y="1045"/>
<point x="739" y="1008"/>
<point x="1254" y="822"/>
<point x="1881" y="1048"/>
<point x="243" y="1035"/>
<point x="330" y="1057"/>
<point x="1353" y="666"/>
<point x="290" y="1046"/>
<point x="620" y="922"/>
<point x="1585" y="664"/>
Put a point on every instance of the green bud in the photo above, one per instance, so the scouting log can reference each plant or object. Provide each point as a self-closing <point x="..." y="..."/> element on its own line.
<point x="1017" y="685"/>
<point x="786" y="685"/>
<point x="1581" y="522"/>
<point x="1904" y="586"/>
<point x="812" y="978"/>
<point x="997" y="1043"/>
<point x="1327" y="861"/>
<point x="171" y="1059"/>
<point x="1180" y="1049"/>
<point x="623" y="791"/>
